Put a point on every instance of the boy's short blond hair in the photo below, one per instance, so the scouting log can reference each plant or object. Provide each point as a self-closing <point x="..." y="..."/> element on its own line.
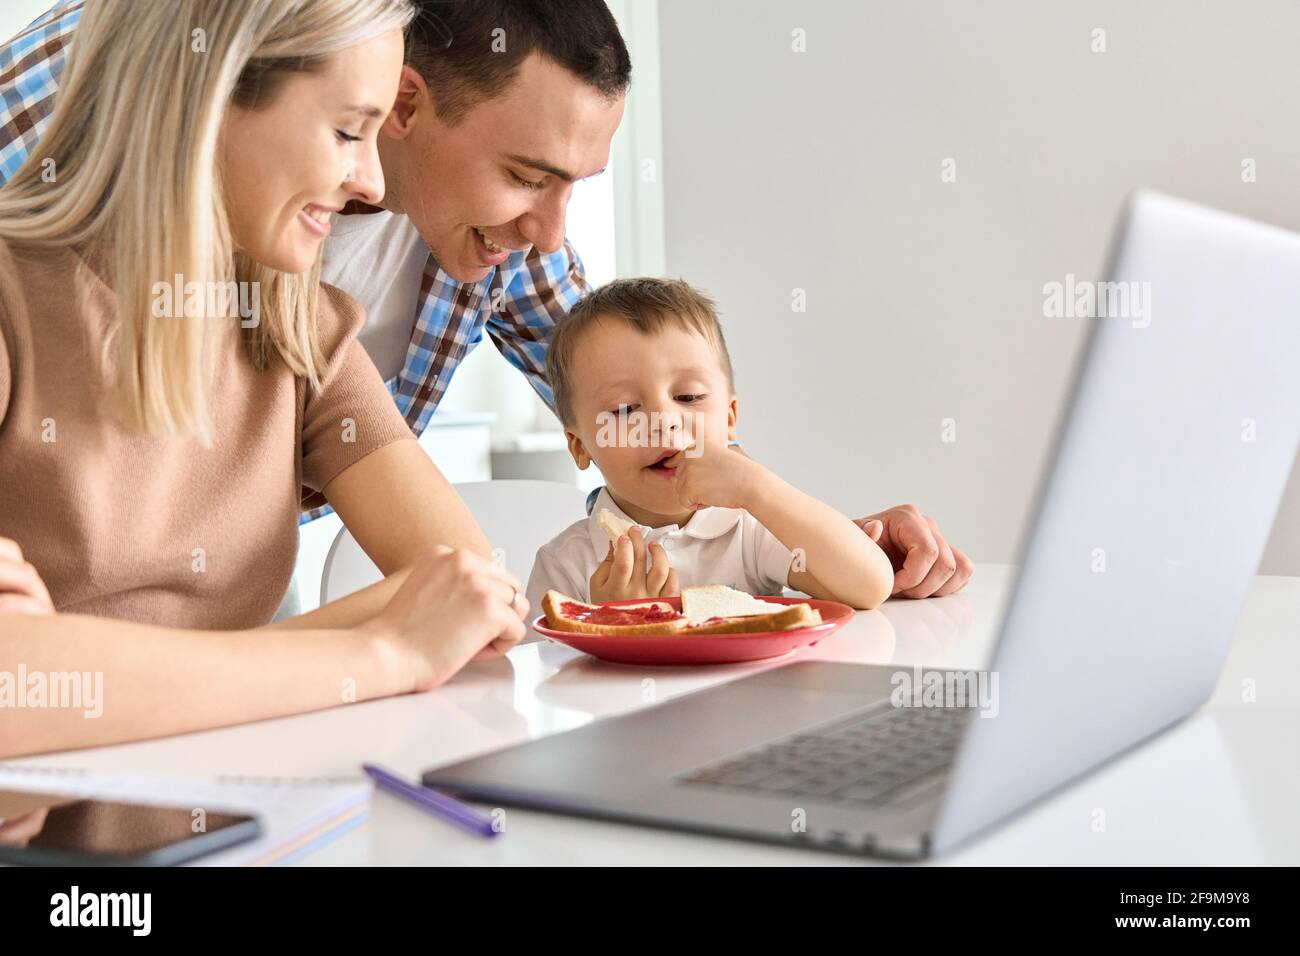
<point x="647" y="304"/>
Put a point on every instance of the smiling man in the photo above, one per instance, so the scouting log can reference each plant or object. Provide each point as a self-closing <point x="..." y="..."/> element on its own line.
<point x="502" y="106"/>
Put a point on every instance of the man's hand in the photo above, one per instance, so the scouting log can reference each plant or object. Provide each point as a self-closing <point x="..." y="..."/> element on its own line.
<point x="623" y="575"/>
<point x="925" y="565"/>
<point x="21" y="589"/>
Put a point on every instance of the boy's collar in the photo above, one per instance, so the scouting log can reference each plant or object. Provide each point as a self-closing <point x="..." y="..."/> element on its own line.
<point x="704" y="524"/>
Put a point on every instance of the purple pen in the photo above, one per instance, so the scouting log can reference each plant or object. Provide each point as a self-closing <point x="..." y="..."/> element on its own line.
<point x="439" y="804"/>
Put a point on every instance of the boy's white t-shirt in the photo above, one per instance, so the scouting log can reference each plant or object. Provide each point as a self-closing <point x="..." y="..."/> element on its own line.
<point x="378" y="258"/>
<point x="717" y="546"/>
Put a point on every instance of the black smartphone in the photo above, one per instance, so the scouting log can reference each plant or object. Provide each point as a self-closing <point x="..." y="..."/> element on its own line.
<point x="40" y="829"/>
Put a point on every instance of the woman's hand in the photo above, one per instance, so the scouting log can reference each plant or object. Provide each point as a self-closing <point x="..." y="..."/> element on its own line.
<point x="454" y="606"/>
<point x="19" y="831"/>
<point x="21" y="589"/>
<point x="624" y="576"/>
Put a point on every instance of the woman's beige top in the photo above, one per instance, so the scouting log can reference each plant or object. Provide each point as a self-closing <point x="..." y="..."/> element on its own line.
<point x="161" y="530"/>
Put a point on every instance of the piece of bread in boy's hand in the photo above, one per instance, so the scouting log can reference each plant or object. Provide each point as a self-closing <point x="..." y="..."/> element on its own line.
<point x="612" y="524"/>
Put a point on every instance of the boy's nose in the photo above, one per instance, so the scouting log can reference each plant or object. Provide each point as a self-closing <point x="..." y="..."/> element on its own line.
<point x="666" y="422"/>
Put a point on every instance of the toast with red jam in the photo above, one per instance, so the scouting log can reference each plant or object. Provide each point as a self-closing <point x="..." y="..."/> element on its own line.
<point x="564" y="613"/>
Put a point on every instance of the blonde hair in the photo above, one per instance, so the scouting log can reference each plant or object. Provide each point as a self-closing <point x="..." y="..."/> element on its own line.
<point x="647" y="304"/>
<point x="134" y="144"/>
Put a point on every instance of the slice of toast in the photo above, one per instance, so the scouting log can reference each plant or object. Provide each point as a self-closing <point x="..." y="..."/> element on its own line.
<point x="564" y="613"/>
<point x="789" y="616"/>
<point x="702" y="603"/>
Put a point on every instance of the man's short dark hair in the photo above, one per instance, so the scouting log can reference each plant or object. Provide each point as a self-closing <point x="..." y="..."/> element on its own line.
<point x="457" y="46"/>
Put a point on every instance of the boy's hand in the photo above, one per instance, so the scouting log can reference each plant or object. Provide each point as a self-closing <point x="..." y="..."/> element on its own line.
<point x="722" y="477"/>
<point x="624" y="576"/>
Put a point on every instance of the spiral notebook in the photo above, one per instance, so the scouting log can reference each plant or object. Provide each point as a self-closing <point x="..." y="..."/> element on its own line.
<point x="298" y="814"/>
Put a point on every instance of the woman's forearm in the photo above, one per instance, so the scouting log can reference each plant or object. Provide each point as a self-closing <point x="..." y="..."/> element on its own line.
<point x="89" y="681"/>
<point x="350" y="610"/>
<point x="398" y="506"/>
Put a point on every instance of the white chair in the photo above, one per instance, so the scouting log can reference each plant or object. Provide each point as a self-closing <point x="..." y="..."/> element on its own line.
<point x="518" y="517"/>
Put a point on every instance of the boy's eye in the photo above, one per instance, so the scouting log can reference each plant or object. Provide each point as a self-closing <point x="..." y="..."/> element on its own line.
<point x="624" y="410"/>
<point x="346" y="137"/>
<point x="688" y="399"/>
<point x="525" y="183"/>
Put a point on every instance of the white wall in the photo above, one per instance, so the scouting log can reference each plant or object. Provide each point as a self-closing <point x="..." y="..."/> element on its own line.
<point x="821" y="170"/>
<point x="16" y="14"/>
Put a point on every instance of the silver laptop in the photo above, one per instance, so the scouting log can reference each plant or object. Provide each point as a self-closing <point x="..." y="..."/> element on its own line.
<point x="1155" y="505"/>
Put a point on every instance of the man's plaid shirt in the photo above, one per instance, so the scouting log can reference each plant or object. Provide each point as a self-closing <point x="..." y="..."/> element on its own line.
<point x="517" y="304"/>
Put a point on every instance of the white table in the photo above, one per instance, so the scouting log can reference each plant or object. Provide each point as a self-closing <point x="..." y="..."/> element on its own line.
<point x="1219" y="788"/>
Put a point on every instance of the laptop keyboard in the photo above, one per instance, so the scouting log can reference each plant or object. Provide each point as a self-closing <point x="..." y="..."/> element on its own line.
<point x="883" y="757"/>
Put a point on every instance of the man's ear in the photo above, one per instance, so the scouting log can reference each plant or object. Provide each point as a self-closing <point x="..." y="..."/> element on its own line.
<point x="733" y="413"/>
<point x="577" y="449"/>
<point x="412" y="97"/>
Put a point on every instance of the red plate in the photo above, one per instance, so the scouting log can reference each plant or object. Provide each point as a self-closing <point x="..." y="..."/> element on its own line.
<point x="702" y="648"/>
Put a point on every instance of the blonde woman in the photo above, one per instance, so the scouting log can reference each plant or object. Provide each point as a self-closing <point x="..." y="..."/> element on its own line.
<point x="155" y="448"/>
